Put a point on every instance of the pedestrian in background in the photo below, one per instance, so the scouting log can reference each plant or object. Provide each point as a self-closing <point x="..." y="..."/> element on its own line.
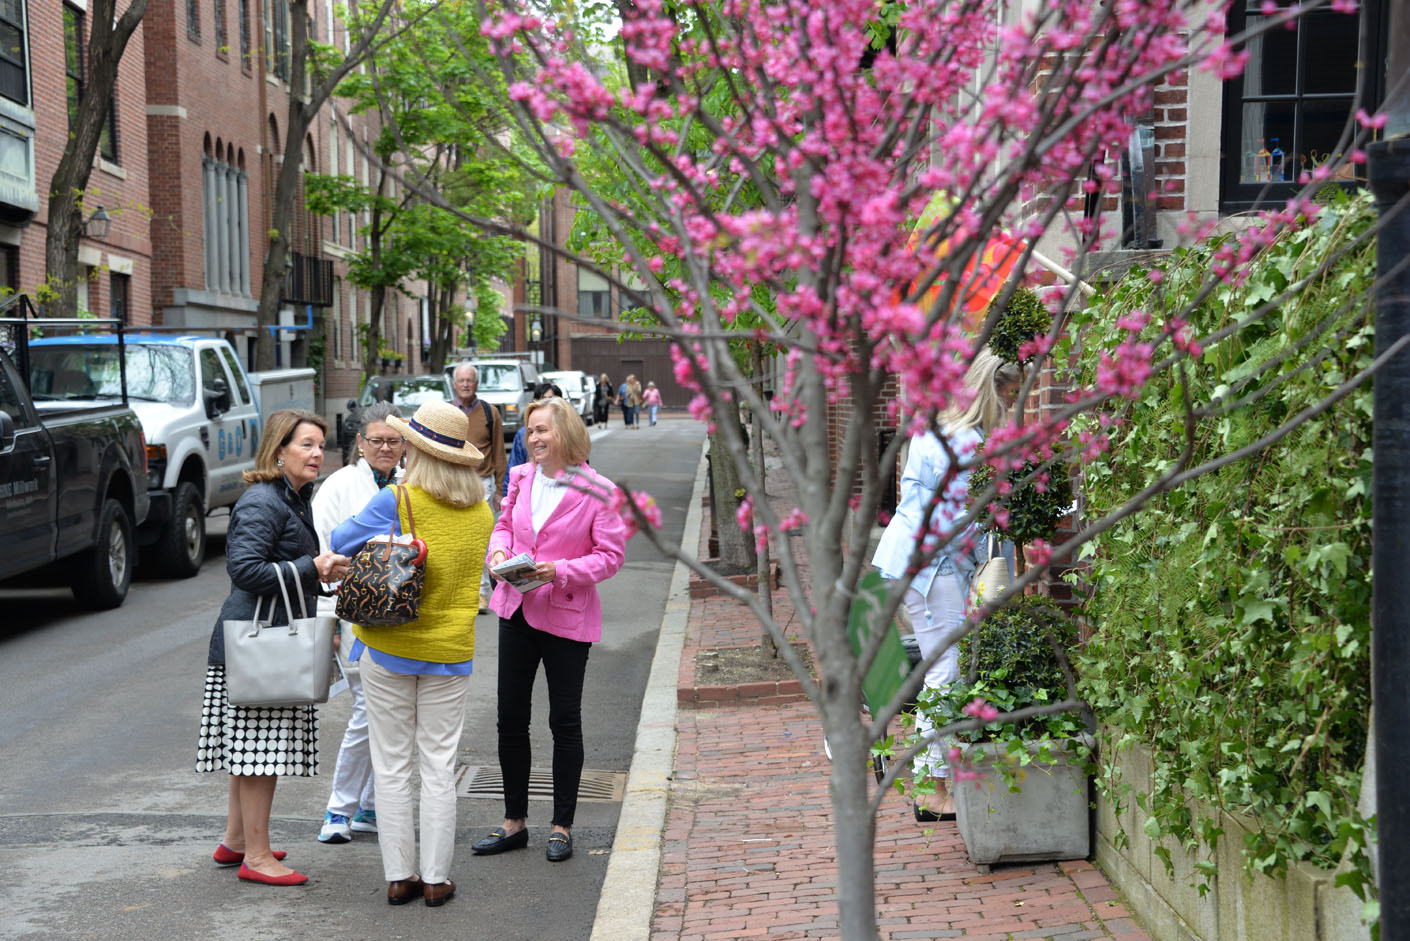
<point x="602" y="399"/>
<point x="519" y="453"/>
<point x="651" y="398"/>
<point x="630" y="397"/>
<point x="487" y="435"/>
<point x="272" y="523"/>
<point x="936" y="597"/>
<point x="558" y="510"/>
<point x="352" y="803"/>
<point x="416" y="675"/>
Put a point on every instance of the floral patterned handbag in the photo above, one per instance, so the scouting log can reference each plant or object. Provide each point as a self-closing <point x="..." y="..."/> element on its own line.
<point x="383" y="585"/>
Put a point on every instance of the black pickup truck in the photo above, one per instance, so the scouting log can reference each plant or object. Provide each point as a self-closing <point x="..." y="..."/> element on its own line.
<point x="72" y="481"/>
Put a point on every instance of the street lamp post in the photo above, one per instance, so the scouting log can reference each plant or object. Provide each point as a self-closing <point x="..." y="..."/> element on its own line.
<point x="1389" y="178"/>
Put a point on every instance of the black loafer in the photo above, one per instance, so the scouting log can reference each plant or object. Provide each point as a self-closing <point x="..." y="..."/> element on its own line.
<point x="560" y="847"/>
<point x="498" y="841"/>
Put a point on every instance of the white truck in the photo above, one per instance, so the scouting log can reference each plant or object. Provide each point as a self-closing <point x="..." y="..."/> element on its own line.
<point x="201" y="417"/>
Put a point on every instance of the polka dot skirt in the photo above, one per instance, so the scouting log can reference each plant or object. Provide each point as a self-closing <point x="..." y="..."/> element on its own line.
<point x="281" y="740"/>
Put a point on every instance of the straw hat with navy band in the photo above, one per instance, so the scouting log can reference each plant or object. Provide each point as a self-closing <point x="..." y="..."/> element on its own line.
<point x="439" y="429"/>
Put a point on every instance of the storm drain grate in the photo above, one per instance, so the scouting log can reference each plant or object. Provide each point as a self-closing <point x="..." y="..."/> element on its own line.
<point x="484" y="781"/>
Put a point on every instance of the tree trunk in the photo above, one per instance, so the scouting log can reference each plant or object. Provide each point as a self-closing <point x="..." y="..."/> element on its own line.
<point x="767" y="647"/>
<point x="737" y="554"/>
<point x="372" y="351"/>
<point x="106" y="45"/>
<point x="854" y="827"/>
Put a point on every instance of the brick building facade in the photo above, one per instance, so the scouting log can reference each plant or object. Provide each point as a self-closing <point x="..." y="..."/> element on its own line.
<point x="187" y="175"/>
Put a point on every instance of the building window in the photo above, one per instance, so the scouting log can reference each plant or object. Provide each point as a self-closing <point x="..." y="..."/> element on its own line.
<point x="277" y="33"/>
<point x="333" y="170"/>
<point x="120" y="287"/>
<point x="244" y="10"/>
<point x="76" y="79"/>
<point x="594" y="295"/>
<point x="73" y="60"/>
<point x="1284" y="116"/>
<point x="335" y="314"/>
<point x="222" y="39"/>
<point x="10" y="267"/>
<point x="225" y="191"/>
<point x="193" y="19"/>
<point x="14" y="68"/>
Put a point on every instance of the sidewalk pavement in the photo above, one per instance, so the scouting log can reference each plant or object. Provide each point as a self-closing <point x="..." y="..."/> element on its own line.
<point x="728" y="819"/>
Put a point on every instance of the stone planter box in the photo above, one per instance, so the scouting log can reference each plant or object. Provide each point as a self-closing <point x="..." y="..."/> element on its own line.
<point x="1048" y="819"/>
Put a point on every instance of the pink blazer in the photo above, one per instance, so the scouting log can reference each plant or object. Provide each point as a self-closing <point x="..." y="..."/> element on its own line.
<point x="584" y="536"/>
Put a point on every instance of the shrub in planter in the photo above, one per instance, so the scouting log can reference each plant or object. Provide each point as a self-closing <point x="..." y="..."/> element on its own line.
<point x="1020" y="788"/>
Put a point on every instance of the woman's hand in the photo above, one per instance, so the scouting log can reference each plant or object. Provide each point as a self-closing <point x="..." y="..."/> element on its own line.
<point x="547" y="571"/>
<point x="331" y="566"/>
<point x="496" y="557"/>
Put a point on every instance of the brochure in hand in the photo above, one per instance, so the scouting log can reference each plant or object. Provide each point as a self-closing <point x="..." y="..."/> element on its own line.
<point x="519" y="572"/>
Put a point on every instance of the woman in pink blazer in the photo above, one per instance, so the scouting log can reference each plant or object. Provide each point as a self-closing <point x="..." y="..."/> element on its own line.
<point x="559" y="511"/>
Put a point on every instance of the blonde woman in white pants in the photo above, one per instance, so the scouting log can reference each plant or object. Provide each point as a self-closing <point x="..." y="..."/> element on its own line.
<point x="353" y="801"/>
<point x="936" y="596"/>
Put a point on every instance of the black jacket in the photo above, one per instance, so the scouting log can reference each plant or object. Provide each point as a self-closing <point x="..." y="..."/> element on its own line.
<point x="270" y="523"/>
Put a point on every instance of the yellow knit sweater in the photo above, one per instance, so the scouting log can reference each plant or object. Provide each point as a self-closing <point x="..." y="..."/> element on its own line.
<point x="456" y="540"/>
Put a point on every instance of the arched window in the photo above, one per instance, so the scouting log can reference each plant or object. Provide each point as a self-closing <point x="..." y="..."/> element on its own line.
<point x="226" y="218"/>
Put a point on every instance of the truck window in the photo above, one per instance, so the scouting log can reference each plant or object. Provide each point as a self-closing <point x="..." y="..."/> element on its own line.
<point x="157" y="372"/>
<point x="10" y="402"/>
<point x="211" y="370"/>
<point x="499" y="378"/>
<point x="241" y="388"/>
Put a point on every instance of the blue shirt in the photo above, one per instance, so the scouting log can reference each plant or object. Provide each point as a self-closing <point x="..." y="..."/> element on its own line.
<point x="518" y="454"/>
<point x="926" y="466"/>
<point x="377" y="519"/>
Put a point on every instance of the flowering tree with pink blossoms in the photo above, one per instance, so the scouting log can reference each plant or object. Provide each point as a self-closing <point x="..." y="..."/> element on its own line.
<point x="778" y="167"/>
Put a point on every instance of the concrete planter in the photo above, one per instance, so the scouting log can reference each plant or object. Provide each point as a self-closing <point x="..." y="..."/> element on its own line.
<point x="1047" y="819"/>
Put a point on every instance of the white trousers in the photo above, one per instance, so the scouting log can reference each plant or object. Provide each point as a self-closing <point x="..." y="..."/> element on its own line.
<point x="932" y="614"/>
<point x="353" y="783"/>
<point x="426" y="713"/>
<point x="486" y="586"/>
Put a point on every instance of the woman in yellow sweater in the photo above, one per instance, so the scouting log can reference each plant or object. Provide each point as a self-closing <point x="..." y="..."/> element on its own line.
<point x="416" y="676"/>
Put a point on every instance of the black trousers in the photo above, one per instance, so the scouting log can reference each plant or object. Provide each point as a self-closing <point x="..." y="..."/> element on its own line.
<point x="521" y="648"/>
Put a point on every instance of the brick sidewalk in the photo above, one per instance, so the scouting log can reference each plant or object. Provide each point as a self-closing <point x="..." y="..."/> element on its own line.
<point x="749" y="853"/>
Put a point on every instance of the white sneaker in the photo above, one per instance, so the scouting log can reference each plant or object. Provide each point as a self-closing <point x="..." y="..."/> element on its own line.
<point x="364" y="821"/>
<point x="336" y="829"/>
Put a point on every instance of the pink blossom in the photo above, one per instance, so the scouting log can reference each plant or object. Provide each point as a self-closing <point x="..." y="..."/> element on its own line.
<point x="981" y="709"/>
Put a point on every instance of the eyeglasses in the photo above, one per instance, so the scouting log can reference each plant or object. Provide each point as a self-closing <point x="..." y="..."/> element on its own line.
<point x="385" y="442"/>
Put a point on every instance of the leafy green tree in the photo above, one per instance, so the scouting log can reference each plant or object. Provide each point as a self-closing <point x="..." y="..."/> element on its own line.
<point x="439" y="153"/>
<point x="107" y="41"/>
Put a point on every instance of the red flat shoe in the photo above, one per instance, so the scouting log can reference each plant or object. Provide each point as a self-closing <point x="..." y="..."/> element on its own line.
<point x="224" y="856"/>
<point x="250" y="875"/>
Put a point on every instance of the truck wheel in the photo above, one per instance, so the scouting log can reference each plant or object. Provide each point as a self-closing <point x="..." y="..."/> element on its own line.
<point x="102" y="574"/>
<point x="181" y="547"/>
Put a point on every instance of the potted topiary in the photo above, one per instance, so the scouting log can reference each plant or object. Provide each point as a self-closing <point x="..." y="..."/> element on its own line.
<point x="1021" y="788"/>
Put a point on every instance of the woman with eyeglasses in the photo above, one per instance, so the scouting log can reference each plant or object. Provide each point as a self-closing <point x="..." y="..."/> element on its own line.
<point x="352" y="803"/>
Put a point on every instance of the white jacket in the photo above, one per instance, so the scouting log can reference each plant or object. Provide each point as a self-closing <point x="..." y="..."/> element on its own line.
<point x="338" y="498"/>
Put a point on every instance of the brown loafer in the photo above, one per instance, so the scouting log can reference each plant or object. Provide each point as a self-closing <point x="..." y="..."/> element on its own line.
<point x="404" y="890"/>
<point x="438" y="892"/>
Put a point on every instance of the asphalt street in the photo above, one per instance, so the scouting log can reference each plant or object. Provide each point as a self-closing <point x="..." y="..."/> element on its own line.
<point x="105" y="831"/>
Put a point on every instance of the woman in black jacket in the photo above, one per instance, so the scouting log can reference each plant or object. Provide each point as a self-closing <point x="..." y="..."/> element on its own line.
<point x="602" y="399"/>
<point x="271" y="524"/>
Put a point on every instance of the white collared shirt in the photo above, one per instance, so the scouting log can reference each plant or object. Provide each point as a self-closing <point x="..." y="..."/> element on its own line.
<point x="544" y="496"/>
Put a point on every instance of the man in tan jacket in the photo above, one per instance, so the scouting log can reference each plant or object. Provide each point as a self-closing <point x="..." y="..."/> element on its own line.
<point x="487" y="434"/>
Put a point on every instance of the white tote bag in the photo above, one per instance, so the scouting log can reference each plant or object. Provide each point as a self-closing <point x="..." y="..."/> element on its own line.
<point x="991" y="579"/>
<point x="279" y="666"/>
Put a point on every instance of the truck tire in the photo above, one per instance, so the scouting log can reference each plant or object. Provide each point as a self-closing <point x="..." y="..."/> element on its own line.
<point x="181" y="547"/>
<point x="102" y="574"/>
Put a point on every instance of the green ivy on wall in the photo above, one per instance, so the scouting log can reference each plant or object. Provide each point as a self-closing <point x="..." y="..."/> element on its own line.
<point x="1231" y="618"/>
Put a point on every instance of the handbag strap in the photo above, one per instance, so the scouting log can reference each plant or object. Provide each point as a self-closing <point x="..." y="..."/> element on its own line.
<point x="401" y="495"/>
<point x="298" y="590"/>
